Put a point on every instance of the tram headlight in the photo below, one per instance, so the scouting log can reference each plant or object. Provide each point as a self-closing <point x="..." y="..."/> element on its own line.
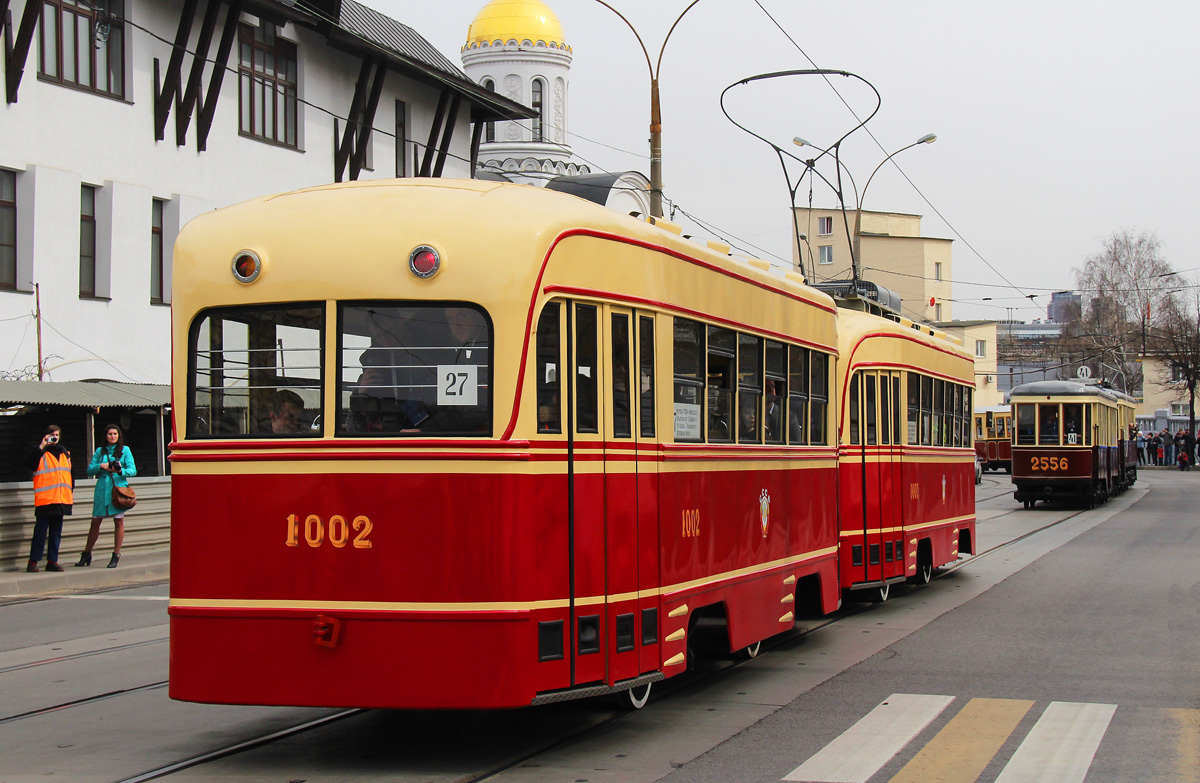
<point x="247" y="266"/>
<point x="424" y="261"/>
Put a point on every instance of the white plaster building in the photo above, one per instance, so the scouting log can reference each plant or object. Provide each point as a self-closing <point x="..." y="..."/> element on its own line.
<point x="111" y="138"/>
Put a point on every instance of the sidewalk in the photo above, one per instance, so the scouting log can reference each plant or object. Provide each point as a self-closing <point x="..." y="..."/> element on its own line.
<point x="150" y="565"/>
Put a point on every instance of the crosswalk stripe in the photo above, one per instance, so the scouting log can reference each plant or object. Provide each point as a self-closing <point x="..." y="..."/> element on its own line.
<point x="1188" y="744"/>
<point x="866" y="746"/>
<point x="1061" y="745"/>
<point x="963" y="748"/>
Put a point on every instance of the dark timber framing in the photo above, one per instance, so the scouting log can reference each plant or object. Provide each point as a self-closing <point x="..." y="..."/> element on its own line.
<point x="356" y="137"/>
<point x="17" y="52"/>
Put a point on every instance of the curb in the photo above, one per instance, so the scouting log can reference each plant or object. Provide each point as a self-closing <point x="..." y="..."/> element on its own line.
<point x="135" y="568"/>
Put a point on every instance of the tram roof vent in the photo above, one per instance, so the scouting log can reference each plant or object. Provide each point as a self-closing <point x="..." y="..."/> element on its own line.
<point x="665" y="225"/>
<point x="720" y="247"/>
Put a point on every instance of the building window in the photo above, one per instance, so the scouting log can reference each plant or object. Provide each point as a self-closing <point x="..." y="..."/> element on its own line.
<point x="401" y="139"/>
<point x="824" y="226"/>
<point x="8" y="230"/>
<point x="489" y="128"/>
<point x="937" y="313"/>
<point x="156" y="251"/>
<point x="981" y="348"/>
<point x="538" y="89"/>
<point x="87" y="241"/>
<point x="937" y="270"/>
<point x="1179" y="409"/>
<point x="267" y="86"/>
<point x="826" y="252"/>
<point x="83" y="45"/>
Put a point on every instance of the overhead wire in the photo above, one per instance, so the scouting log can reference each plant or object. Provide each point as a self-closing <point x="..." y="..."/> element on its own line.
<point x="904" y="174"/>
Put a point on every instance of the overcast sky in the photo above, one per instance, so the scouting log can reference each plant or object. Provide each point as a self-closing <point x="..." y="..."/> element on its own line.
<point x="1058" y="121"/>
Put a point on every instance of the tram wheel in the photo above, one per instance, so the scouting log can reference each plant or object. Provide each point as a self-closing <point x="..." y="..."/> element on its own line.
<point x="636" y="697"/>
<point x="880" y="593"/>
<point x="752" y="650"/>
<point x="924" y="573"/>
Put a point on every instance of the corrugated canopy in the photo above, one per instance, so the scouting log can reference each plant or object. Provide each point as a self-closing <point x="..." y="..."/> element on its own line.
<point x="87" y="394"/>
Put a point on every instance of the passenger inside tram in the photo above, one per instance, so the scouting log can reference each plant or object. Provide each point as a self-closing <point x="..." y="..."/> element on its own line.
<point x="1048" y="425"/>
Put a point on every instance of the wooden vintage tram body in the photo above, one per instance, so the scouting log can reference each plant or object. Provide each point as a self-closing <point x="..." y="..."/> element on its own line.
<point x="540" y="442"/>
<point x="1072" y="441"/>
<point x="993" y="437"/>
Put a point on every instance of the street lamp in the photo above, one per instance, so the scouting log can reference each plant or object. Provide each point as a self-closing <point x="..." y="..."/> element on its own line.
<point x="656" y="183"/>
<point x="855" y="256"/>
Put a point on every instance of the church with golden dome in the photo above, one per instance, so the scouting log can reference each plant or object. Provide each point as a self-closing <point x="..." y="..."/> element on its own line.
<point x="518" y="48"/>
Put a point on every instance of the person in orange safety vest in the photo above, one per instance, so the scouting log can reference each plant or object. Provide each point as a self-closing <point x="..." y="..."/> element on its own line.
<point x="52" y="497"/>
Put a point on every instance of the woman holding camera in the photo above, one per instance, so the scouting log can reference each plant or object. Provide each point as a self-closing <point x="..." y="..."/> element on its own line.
<point x="112" y="465"/>
<point x="52" y="497"/>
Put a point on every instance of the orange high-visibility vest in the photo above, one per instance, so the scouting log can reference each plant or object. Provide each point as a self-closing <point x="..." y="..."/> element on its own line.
<point x="52" y="481"/>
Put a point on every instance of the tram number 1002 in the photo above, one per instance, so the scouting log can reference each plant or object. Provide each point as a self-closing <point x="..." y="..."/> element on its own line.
<point x="1049" y="463"/>
<point x="336" y="532"/>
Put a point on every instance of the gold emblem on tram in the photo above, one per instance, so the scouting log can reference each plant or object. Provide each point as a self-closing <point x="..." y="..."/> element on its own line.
<point x="764" y="510"/>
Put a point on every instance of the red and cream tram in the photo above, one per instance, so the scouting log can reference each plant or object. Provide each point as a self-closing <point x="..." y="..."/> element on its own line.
<point x="459" y="444"/>
<point x="993" y="437"/>
<point x="1072" y="441"/>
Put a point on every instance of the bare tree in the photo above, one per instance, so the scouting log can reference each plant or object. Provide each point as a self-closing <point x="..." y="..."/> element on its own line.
<point x="1126" y="288"/>
<point x="1176" y="338"/>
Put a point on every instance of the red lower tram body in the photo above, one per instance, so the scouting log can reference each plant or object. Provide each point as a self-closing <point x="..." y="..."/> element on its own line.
<point x="1079" y="474"/>
<point x="995" y="453"/>
<point x="429" y="588"/>
<point x="904" y="511"/>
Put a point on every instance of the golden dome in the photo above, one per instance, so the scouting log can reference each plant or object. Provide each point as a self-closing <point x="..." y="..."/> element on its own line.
<point x="519" y="20"/>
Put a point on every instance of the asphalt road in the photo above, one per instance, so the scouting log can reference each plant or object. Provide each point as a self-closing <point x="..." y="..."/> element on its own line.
<point x="1068" y="650"/>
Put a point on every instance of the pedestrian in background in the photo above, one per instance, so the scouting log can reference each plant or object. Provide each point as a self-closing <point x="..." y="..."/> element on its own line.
<point x="52" y="497"/>
<point x="1140" y="440"/>
<point x="112" y="465"/>
<point x="1168" y="444"/>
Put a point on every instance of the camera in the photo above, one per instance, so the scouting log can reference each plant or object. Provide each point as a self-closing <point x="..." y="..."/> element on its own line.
<point x="53" y="439"/>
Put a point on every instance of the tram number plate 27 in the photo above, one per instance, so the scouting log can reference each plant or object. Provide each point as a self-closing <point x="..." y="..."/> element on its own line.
<point x="1049" y="463"/>
<point x="337" y="532"/>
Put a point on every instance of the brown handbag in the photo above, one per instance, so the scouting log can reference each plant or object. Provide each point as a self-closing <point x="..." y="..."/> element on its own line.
<point x="124" y="498"/>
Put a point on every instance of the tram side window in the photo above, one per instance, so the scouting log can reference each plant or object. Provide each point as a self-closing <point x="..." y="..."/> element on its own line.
<point x="689" y="380"/>
<point x="914" y="408"/>
<point x="939" y="413"/>
<point x="855" y="407"/>
<point x="722" y="352"/>
<point x="978" y="427"/>
<point x="1002" y="427"/>
<point x="774" y="392"/>
<point x="897" y="415"/>
<point x="1048" y="424"/>
<point x="869" y="381"/>
<point x="818" y="398"/>
<point x="587" y="403"/>
<point x="926" y="410"/>
<point x="750" y="388"/>
<point x="549" y="351"/>
<point x="1026" y="424"/>
<point x="646" y="374"/>
<point x="414" y="370"/>
<point x="885" y="427"/>
<point x="622" y="416"/>
<point x="257" y="372"/>
<point x="1072" y="413"/>
<point x="798" y="359"/>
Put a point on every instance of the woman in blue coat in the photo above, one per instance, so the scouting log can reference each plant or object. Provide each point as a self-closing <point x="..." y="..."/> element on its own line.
<point x="112" y="464"/>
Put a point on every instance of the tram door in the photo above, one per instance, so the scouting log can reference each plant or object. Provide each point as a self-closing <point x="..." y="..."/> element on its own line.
<point x="603" y="502"/>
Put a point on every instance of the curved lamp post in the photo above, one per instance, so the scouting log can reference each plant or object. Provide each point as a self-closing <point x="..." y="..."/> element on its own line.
<point x="656" y="184"/>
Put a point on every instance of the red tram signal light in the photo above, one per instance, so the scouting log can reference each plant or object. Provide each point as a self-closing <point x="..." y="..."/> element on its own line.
<point x="246" y="266"/>
<point x="424" y="261"/>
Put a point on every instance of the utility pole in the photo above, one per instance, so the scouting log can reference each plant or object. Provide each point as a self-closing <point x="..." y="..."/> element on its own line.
<point x="37" y="303"/>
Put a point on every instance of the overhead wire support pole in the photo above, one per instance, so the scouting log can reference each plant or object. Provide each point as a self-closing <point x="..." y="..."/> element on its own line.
<point x="656" y="183"/>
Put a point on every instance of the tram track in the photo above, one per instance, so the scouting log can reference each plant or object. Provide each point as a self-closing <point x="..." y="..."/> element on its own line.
<point x="709" y="670"/>
<point x="77" y="656"/>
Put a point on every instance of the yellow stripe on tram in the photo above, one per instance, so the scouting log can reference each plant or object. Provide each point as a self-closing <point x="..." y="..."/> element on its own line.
<point x="965" y="746"/>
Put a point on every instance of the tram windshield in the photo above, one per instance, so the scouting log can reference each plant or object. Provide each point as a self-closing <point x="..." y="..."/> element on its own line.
<point x="1026" y="424"/>
<point x="414" y="370"/>
<point x="256" y="371"/>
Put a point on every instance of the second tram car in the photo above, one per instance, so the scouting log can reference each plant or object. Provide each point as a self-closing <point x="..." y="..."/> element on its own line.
<point x="1072" y="441"/>
<point x="993" y="437"/>
<point x="461" y="444"/>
